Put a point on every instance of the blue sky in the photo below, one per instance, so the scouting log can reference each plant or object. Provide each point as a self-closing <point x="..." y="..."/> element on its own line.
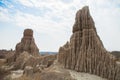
<point x="52" y="21"/>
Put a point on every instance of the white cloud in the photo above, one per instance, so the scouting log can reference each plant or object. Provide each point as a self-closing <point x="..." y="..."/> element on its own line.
<point x="27" y="3"/>
<point x="4" y="15"/>
<point x="57" y="23"/>
<point x="38" y="22"/>
<point x="53" y="30"/>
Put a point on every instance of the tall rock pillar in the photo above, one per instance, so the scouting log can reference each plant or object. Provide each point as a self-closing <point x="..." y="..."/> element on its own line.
<point x="27" y="44"/>
<point x="85" y="51"/>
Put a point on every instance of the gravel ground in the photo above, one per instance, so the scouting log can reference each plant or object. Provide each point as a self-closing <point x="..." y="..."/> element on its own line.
<point x="84" y="76"/>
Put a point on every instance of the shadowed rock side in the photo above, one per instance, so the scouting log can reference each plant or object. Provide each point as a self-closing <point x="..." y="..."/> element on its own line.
<point x="27" y="44"/>
<point x="85" y="51"/>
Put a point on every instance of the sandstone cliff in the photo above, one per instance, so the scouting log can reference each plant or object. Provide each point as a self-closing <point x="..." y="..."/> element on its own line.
<point x="85" y="51"/>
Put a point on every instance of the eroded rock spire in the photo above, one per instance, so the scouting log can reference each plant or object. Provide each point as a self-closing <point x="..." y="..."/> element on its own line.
<point x="27" y="44"/>
<point x="85" y="51"/>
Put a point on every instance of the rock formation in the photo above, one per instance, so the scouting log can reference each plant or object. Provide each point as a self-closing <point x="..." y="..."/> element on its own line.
<point x="27" y="55"/>
<point x="85" y="51"/>
<point x="27" y="44"/>
<point x="5" y="53"/>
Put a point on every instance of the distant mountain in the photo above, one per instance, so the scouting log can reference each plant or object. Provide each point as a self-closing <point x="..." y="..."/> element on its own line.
<point x="116" y="54"/>
<point x="47" y="52"/>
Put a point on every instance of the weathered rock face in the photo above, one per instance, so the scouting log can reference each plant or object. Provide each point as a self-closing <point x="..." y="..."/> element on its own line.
<point x="85" y="51"/>
<point x="25" y="59"/>
<point x="27" y="54"/>
<point x="21" y="60"/>
<point x="27" y="44"/>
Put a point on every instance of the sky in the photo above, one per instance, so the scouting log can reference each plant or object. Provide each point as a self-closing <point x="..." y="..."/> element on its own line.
<point x="52" y="21"/>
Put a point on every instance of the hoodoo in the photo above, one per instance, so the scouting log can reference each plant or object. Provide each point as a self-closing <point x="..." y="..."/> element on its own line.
<point x="27" y="44"/>
<point x="85" y="51"/>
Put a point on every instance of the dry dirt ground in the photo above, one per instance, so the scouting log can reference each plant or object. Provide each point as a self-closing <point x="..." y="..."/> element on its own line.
<point x="73" y="74"/>
<point x="57" y="72"/>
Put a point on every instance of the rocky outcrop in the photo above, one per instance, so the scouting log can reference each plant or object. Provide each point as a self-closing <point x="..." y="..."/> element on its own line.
<point x="27" y="54"/>
<point x="27" y="44"/>
<point x="4" y="54"/>
<point x="21" y="60"/>
<point x="7" y="55"/>
<point x="85" y="51"/>
<point x="25" y="59"/>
